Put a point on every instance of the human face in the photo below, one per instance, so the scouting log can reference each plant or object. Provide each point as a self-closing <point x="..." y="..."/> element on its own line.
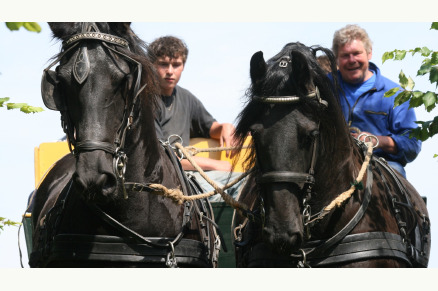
<point x="353" y="62"/>
<point x="169" y="72"/>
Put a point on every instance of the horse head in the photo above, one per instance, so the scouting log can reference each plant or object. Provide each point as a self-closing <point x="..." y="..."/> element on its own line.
<point x="94" y="86"/>
<point x="283" y="117"/>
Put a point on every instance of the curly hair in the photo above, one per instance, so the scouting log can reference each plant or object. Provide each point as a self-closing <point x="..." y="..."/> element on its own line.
<point x="349" y="33"/>
<point x="168" y="46"/>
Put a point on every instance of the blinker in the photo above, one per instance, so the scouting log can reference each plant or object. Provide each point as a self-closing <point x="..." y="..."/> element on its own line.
<point x="50" y="91"/>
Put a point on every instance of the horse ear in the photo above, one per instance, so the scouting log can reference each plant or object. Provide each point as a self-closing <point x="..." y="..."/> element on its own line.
<point x="50" y="91"/>
<point x="304" y="77"/>
<point x="257" y="67"/>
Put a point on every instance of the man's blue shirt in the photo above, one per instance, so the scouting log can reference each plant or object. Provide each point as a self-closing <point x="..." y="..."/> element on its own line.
<point x="370" y="111"/>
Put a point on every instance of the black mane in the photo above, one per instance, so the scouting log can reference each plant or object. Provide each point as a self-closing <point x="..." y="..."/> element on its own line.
<point x="277" y="82"/>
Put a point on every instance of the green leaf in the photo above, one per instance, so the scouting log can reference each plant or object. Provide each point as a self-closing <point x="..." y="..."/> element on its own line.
<point x="418" y="134"/>
<point x="425" y="68"/>
<point x="15" y="105"/>
<point x="416" y="50"/>
<point x="406" y="83"/>
<point x="31" y="109"/>
<point x="434" y="25"/>
<point x="416" y="99"/>
<point x="391" y="92"/>
<point x="402" y="98"/>
<point x="387" y="56"/>
<point x="400" y="54"/>
<point x="14" y="25"/>
<point x="425" y="52"/>
<point x="434" y="58"/>
<point x="433" y="77"/>
<point x="24" y="107"/>
<point x="32" y="26"/>
<point x="3" y="100"/>
<point x="429" y="100"/>
<point x="433" y="127"/>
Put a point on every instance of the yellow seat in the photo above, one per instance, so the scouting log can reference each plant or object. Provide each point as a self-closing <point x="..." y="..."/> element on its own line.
<point x="46" y="155"/>
<point x="203" y="143"/>
<point x="50" y="152"/>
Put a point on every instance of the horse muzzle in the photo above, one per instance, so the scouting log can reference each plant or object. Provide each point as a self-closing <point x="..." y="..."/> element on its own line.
<point x="283" y="228"/>
<point x="94" y="176"/>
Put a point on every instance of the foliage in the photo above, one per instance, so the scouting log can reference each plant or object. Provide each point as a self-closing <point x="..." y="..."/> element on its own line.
<point x="34" y="27"/>
<point x="24" y="107"/>
<point x="4" y="221"/>
<point x="30" y="26"/>
<point x="417" y="98"/>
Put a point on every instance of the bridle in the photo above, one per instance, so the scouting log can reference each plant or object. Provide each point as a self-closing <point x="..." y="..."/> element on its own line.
<point x="81" y="68"/>
<point x="288" y="176"/>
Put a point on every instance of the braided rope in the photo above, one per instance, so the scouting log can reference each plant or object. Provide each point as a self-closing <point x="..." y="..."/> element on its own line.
<point x="227" y="198"/>
<point x="178" y="196"/>
<point x="338" y="201"/>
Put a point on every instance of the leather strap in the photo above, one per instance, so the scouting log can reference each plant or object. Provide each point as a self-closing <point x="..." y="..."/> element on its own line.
<point x="129" y="232"/>
<point x="89" y="145"/>
<point x="325" y="245"/>
<point x="352" y="248"/>
<point x="363" y="246"/>
<point x="124" y="250"/>
<point x="284" y="176"/>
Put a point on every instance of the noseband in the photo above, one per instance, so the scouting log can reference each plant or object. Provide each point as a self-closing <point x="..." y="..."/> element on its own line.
<point x="81" y="68"/>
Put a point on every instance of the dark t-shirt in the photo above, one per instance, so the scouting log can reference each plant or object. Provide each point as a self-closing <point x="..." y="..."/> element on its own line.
<point x="182" y="114"/>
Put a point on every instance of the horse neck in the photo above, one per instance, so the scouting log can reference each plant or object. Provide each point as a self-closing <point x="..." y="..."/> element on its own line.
<point x="338" y="168"/>
<point x="144" y="151"/>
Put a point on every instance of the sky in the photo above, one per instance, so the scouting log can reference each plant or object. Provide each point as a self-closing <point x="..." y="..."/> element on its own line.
<point x="217" y="72"/>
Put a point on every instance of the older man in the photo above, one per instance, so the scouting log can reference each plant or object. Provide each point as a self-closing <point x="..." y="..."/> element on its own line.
<point x="363" y="103"/>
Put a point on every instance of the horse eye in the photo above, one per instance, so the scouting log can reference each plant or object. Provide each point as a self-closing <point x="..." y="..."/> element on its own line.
<point x="255" y="129"/>
<point x="314" y="134"/>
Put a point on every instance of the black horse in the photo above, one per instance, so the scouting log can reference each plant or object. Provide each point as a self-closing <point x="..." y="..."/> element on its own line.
<point x="304" y="157"/>
<point x="97" y="206"/>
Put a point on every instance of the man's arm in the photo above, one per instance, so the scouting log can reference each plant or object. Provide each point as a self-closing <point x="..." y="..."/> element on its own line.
<point x="224" y="132"/>
<point x="206" y="164"/>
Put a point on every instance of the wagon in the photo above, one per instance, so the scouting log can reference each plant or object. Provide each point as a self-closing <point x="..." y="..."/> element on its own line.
<point x="46" y="154"/>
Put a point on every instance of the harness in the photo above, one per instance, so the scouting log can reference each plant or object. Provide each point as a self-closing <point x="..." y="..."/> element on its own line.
<point x="132" y="247"/>
<point x="343" y="247"/>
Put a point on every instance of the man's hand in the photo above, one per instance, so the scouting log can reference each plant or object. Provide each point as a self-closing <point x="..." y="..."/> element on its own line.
<point x="224" y="132"/>
<point x="386" y="143"/>
<point x="206" y="164"/>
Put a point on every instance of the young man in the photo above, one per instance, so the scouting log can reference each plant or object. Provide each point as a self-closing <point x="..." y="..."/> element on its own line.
<point x="181" y="113"/>
<point x="363" y="103"/>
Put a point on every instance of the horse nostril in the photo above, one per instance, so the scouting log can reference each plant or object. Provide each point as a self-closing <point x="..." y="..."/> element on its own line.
<point x="108" y="183"/>
<point x="100" y="182"/>
<point x="80" y="184"/>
